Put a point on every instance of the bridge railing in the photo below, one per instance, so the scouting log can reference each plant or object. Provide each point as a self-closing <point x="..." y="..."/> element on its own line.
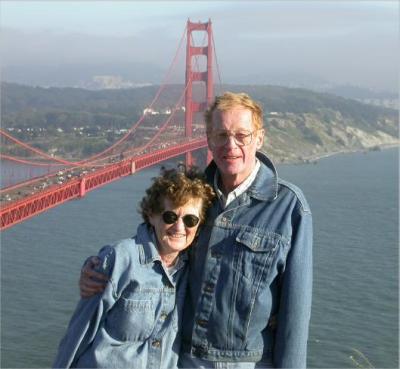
<point x="57" y="194"/>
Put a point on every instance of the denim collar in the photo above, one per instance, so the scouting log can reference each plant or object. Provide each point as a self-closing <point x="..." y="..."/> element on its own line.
<point x="265" y="185"/>
<point x="146" y="241"/>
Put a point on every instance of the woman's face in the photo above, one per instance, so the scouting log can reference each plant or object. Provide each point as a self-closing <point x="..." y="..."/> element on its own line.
<point x="175" y="237"/>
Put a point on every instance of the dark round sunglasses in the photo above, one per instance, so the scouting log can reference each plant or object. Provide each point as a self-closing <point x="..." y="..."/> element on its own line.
<point x="189" y="220"/>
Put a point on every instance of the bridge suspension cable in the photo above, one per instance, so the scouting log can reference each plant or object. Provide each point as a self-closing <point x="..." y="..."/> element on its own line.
<point x="133" y="128"/>
<point x="90" y="160"/>
<point x="33" y="149"/>
<point x="24" y="161"/>
<point x="165" y="125"/>
<point x="76" y="179"/>
<point x="216" y="61"/>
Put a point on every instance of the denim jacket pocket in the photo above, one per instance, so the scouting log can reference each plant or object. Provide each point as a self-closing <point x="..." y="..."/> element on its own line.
<point x="253" y="260"/>
<point x="131" y="319"/>
<point x="254" y="253"/>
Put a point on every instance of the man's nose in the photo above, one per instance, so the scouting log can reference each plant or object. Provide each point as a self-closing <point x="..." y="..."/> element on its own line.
<point x="231" y="142"/>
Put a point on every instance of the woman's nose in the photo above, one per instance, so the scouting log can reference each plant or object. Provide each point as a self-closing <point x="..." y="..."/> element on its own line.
<point x="179" y="224"/>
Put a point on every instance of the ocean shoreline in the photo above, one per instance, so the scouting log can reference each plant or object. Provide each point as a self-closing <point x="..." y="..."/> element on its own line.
<point x="313" y="159"/>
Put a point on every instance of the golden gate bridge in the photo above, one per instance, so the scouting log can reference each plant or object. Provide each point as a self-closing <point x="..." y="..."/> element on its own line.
<point x="179" y="134"/>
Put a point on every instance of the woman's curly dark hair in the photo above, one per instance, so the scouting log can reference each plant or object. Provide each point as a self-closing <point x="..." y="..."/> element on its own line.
<point x="179" y="186"/>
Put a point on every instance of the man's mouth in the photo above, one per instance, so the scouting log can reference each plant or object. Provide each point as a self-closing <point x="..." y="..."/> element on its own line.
<point x="231" y="157"/>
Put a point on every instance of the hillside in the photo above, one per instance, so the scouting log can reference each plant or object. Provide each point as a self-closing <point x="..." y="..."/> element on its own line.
<point x="300" y="124"/>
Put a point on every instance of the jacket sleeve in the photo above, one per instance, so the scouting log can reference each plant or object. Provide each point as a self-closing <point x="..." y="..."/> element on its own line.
<point x="87" y="317"/>
<point x="290" y="349"/>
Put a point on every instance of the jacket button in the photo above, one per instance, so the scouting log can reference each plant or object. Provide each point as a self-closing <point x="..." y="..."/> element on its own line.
<point x="198" y="351"/>
<point x="202" y="323"/>
<point x="209" y="287"/>
<point x="163" y="316"/>
<point x="156" y="343"/>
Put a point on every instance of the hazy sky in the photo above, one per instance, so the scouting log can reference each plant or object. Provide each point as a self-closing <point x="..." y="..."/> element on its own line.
<point x="355" y="42"/>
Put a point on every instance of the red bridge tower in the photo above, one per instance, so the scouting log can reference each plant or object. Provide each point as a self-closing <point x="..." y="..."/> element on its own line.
<point x="205" y="89"/>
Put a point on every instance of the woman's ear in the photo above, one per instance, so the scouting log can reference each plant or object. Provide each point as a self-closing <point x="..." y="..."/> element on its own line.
<point x="151" y="219"/>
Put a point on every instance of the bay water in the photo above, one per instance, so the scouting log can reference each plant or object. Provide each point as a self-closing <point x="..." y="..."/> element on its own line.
<point x="354" y="200"/>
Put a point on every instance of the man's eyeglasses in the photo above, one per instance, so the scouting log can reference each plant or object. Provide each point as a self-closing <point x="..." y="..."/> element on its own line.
<point x="189" y="220"/>
<point x="242" y="138"/>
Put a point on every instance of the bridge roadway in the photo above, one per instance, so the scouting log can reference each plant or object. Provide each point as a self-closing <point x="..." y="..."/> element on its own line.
<point x="55" y="192"/>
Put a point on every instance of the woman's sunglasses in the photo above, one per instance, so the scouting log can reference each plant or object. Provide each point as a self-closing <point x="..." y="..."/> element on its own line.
<point x="189" y="220"/>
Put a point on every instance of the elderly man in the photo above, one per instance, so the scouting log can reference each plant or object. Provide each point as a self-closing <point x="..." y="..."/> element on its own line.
<point x="249" y="297"/>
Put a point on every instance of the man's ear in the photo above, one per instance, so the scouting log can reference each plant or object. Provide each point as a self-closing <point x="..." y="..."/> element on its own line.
<point x="208" y="136"/>
<point x="260" y="138"/>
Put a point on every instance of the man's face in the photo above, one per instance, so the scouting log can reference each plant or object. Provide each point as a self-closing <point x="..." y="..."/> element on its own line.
<point x="234" y="159"/>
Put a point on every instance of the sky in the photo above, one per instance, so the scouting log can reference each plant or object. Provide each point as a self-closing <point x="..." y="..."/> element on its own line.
<point x="343" y="42"/>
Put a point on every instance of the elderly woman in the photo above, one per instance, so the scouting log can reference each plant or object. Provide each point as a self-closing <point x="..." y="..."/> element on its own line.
<point x="134" y="323"/>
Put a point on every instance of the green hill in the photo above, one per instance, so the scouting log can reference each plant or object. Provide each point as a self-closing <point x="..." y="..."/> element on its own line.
<point x="300" y="124"/>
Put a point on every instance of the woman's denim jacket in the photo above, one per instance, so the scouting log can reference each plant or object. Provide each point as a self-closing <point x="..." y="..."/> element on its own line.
<point x="134" y="322"/>
<point x="250" y="280"/>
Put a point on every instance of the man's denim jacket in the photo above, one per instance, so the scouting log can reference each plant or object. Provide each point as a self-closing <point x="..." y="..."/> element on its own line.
<point x="250" y="280"/>
<point x="134" y="322"/>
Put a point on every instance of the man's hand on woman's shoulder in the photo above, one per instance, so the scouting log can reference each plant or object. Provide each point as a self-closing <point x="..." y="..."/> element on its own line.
<point x="90" y="281"/>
